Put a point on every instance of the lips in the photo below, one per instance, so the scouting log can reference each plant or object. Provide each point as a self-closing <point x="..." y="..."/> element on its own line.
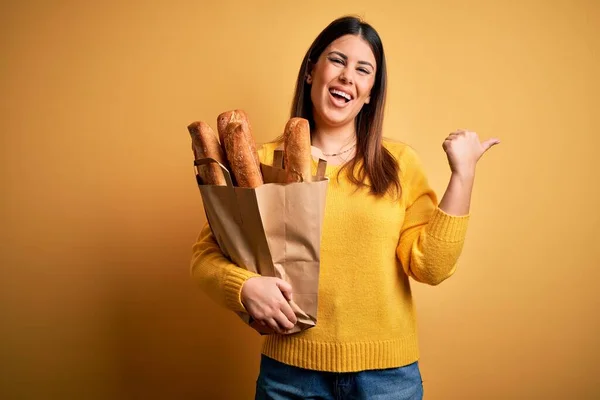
<point x="339" y="93"/>
<point x="339" y="97"/>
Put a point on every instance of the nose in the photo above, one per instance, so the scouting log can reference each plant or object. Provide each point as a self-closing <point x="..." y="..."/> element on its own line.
<point x="345" y="76"/>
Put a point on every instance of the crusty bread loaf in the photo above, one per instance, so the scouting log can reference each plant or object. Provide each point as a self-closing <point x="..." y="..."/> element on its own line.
<point x="205" y="144"/>
<point x="240" y="153"/>
<point x="241" y="117"/>
<point x="297" y="150"/>
<point x="225" y="118"/>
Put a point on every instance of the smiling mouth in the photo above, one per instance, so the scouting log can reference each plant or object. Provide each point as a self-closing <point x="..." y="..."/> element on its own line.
<point x="340" y="95"/>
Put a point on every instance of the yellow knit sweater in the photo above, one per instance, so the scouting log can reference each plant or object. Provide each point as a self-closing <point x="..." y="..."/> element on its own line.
<point x="369" y="249"/>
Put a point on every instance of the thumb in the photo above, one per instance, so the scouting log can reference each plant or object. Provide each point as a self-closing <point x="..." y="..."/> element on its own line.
<point x="286" y="288"/>
<point x="489" y="143"/>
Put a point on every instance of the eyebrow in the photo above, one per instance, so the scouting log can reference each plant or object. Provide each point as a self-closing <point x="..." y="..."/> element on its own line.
<point x="346" y="58"/>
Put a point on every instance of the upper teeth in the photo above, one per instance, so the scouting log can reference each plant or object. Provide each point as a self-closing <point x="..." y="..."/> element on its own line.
<point x="340" y="93"/>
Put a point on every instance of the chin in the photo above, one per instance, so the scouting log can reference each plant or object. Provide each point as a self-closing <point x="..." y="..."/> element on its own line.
<point x="329" y="115"/>
<point x="337" y="119"/>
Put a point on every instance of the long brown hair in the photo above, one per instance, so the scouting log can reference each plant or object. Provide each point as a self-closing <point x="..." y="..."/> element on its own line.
<point x="378" y="165"/>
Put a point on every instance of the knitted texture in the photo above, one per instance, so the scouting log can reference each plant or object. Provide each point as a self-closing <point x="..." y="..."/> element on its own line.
<point x="370" y="248"/>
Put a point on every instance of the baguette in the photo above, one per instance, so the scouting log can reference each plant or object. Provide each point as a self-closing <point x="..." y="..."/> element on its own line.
<point x="205" y="144"/>
<point x="240" y="153"/>
<point x="297" y="151"/>
<point x="241" y="117"/>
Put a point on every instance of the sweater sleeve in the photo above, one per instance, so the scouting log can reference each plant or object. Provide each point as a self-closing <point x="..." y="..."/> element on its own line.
<point x="218" y="277"/>
<point x="431" y="240"/>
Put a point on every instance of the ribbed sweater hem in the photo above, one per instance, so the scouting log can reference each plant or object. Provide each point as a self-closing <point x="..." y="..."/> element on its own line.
<point x="342" y="357"/>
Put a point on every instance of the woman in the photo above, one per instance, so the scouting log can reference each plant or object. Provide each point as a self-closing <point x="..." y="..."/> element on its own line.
<point x="382" y="225"/>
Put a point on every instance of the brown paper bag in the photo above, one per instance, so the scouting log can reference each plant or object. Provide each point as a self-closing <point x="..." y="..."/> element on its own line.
<point x="273" y="230"/>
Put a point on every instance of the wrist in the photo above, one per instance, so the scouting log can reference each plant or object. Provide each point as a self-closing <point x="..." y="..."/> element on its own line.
<point x="244" y="288"/>
<point x="464" y="174"/>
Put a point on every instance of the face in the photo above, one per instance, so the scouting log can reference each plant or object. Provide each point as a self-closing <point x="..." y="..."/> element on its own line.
<point x="341" y="81"/>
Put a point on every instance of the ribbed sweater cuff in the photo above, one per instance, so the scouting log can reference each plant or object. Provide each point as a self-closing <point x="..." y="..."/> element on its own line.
<point x="446" y="227"/>
<point x="233" y="288"/>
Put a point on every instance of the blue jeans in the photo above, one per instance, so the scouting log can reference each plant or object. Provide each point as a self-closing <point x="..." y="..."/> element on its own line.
<point x="278" y="381"/>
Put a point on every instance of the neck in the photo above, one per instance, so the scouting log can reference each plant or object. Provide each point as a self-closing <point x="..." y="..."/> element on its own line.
<point x="333" y="140"/>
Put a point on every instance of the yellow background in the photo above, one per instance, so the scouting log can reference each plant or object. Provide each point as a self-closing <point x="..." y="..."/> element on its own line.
<point x="99" y="206"/>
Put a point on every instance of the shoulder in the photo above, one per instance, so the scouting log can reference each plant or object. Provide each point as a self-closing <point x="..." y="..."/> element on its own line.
<point x="406" y="156"/>
<point x="413" y="178"/>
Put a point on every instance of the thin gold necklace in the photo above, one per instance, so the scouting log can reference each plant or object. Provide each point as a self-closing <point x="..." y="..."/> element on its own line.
<point x="341" y="152"/>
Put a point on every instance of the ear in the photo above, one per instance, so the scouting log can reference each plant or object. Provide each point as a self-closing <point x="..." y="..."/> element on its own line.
<point x="309" y="73"/>
<point x="368" y="100"/>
